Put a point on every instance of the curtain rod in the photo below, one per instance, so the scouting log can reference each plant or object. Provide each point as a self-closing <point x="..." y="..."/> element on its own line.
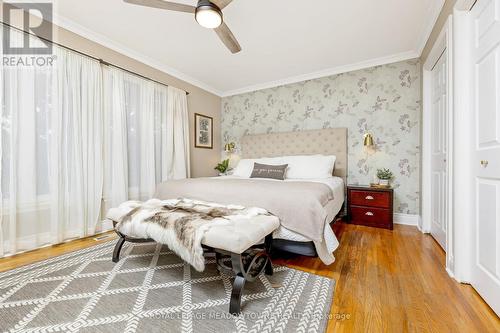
<point x="102" y="62"/>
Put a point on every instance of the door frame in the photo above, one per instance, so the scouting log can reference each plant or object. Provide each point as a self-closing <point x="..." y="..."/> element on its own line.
<point x="443" y="43"/>
<point x="464" y="4"/>
<point x="460" y="267"/>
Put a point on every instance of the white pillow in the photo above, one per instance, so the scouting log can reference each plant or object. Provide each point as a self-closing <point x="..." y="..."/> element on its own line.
<point x="309" y="166"/>
<point x="245" y="166"/>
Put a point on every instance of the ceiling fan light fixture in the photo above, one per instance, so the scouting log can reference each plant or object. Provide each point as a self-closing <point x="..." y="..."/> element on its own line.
<point x="208" y="15"/>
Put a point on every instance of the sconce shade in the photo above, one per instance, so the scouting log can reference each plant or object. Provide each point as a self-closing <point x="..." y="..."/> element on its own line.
<point x="368" y="140"/>
<point x="229" y="147"/>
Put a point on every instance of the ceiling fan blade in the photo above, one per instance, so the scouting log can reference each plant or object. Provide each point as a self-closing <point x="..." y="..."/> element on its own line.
<point x="227" y="37"/>
<point x="178" y="7"/>
<point x="221" y="3"/>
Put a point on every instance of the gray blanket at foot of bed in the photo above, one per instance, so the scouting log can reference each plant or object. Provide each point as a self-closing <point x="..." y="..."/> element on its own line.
<point x="298" y="205"/>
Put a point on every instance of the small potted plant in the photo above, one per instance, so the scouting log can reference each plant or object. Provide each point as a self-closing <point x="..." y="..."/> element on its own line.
<point x="384" y="176"/>
<point x="222" y="167"/>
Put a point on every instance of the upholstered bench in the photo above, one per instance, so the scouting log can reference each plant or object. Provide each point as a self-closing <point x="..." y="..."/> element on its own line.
<point x="244" y="243"/>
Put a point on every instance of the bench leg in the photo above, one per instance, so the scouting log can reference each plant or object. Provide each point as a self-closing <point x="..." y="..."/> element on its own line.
<point x="238" y="284"/>
<point x="268" y="246"/>
<point x="235" y="302"/>
<point x="269" y="267"/>
<point x="118" y="248"/>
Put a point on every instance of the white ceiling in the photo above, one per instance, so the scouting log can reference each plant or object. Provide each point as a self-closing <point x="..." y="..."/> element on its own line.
<point x="283" y="41"/>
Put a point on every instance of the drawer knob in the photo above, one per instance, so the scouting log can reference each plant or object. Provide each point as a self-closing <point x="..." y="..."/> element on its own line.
<point x="369" y="197"/>
<point x="369" y="214"/>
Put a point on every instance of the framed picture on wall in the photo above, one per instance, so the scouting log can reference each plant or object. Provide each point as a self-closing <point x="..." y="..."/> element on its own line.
<point x="203" y="131"/>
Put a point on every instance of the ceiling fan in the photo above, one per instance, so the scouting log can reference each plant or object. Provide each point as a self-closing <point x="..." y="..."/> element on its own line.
<point x="207" y="13"/>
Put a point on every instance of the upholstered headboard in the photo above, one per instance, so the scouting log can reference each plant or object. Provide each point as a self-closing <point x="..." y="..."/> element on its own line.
<point x="330" y="141"/>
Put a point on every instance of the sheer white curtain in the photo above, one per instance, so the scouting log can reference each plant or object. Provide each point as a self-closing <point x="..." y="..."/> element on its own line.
<point x="177" y="145"/>
<point x="26" y="96"/>
<point x="78" y="134"/>
<point x="76" y="159"/>
<point x="115" y="139"/>
<point x="146" y="136"/>
<point x="51" y="152"/>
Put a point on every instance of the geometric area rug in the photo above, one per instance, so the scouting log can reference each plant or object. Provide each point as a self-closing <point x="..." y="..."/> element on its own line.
<point x="152" y="290"/>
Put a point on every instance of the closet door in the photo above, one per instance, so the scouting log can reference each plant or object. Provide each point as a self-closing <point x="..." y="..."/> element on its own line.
<point x="439" y="149"/>
<point x="485" y="55"/>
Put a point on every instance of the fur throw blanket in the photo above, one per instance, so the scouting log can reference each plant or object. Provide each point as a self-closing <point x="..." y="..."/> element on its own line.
<point x="179" y="223"/>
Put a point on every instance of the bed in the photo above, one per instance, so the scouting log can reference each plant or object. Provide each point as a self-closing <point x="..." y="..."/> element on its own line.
<point x="312" y="204"/>
<point x="331" y="141"/>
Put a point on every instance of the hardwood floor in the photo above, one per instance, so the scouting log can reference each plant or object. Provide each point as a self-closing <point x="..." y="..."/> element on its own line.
<point x="395" y="281"/>
<point x="387" y="281"/>
<point x="51" y="251"/>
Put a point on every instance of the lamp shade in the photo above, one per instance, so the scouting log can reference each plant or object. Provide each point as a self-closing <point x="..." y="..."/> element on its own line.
<point x="229" y="147"/>
<point x="368" y="140"/>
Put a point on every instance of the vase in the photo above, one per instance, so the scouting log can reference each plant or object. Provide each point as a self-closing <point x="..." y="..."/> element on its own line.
<point x="383" y="182"/>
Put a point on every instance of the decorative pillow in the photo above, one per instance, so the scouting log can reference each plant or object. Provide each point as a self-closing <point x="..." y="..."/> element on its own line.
<point x="269" y="171"/>
<point x="245" y="166"/>
<point x="310" y="166"/>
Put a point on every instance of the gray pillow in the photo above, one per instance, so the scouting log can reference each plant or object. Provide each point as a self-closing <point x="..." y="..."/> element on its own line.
<point x="269" y="171"/>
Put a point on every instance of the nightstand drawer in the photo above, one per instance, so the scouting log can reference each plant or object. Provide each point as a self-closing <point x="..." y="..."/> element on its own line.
<point x="370" y="216"/>
<point x="371" y="198"/>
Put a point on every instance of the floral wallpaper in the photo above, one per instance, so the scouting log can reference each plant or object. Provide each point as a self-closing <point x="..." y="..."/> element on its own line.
<point x="382" y="100"/>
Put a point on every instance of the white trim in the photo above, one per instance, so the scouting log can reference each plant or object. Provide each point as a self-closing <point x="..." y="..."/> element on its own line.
<point x="439" y="47"/>
<point x="432" y="16"/>
<point x="450" y="273"/>
<point x="450" y="247"/>
<point x="326" y="72"/>
<point x="419" y="225"/>
<point x="102" y="40"/>
<point x="106" y="42"/>
<point x="406" y="219"/>
<point x="426" y="155"/>
<point x="464" y="4"/>
<point x="462" y="205"/>
<point x="443" y="43"/>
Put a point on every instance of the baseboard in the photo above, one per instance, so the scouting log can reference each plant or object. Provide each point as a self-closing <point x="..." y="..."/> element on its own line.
<point x="406" y="219"/>
<point x="451" y="274"/>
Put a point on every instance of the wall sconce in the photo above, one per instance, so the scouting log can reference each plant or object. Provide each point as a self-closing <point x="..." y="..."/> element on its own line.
<point x="368" y="140"/>
<point x="229" y="147"/>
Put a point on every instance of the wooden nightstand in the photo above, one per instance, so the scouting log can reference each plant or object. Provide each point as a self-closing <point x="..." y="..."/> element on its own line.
<point x="370" y="206"/>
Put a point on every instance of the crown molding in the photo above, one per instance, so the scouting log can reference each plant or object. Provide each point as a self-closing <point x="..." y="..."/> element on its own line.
<point x="111" y="44"/>
<point x="431" y="18"/>
<point x="326" y="72"/>
<point x="464" y="4"/>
